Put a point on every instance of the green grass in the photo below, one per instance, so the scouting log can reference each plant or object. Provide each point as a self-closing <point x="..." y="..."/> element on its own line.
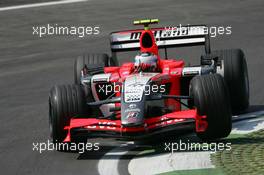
<point x="245" y="157"/>
<point x="208" y="171"/>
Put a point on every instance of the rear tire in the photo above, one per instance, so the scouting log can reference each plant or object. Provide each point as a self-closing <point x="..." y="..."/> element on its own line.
<point x="65" y="101"/>
<point x="94" y="60"/>
<point x="236" y="77"/>
<point x="211" y="98"/>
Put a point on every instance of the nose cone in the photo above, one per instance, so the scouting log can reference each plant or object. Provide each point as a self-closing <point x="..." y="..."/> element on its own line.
<point x="133" y="99"/>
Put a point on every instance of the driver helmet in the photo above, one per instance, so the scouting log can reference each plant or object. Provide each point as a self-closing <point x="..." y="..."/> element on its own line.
<point x="146" y="62"/>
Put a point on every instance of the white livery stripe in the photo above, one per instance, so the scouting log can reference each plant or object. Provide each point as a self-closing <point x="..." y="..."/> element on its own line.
<point x="180" y="41"/>
<point x="126" y="46"/>
<point x="161" y="43"/>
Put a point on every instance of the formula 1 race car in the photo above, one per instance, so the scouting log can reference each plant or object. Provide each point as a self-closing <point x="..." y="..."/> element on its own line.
<point x="150" y="95"/>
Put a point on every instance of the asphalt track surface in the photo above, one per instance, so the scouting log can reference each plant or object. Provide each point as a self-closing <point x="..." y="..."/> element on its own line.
<point x="30" y="66"/>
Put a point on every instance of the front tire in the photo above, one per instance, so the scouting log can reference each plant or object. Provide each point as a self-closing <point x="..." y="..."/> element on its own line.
<point x="211" y="98"/>
<point x="65" y="101"/>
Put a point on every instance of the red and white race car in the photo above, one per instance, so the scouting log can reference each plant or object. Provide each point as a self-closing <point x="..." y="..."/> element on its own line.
<point x="152" y="94"/>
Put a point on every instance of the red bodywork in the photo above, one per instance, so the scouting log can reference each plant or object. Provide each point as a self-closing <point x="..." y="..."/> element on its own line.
<point x="170" y="72"/>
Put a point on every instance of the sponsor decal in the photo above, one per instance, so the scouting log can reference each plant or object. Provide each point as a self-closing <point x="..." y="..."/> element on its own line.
<point x="188" y="71"/>
<point x="132" y="106"/>
<point x="100" y="80"/>
<point x="103" y="125"/>
<point x="168" y="122"/>
<point x="132" y="110"/>
<point x="137" y="84"/>
<point x="133" y="99"/>
<point x="163" y="33"/>
<point x="191" y="73"/>
<point x="132" y="116"/>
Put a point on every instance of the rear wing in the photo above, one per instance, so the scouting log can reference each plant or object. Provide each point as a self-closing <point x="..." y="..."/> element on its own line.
<point x="165" y="37"/>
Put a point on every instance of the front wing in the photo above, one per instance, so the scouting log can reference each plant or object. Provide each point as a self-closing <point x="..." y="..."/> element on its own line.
<point x="93" y="127"/>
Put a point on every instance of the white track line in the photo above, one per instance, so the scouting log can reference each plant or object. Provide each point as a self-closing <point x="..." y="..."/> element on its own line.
<point x="108" y="165"/>
<point x="161" y="163"/>
<point x="165" y="162"/>
<point x="39" y="4"/>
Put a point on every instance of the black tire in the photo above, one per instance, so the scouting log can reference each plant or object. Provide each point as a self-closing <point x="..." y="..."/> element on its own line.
<point x="236" y="77"/>
<point x="93" y="60"/>
<point x="211" y="98"/>
<point x="235" y="74"/>
<point x="65" y="101"/>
